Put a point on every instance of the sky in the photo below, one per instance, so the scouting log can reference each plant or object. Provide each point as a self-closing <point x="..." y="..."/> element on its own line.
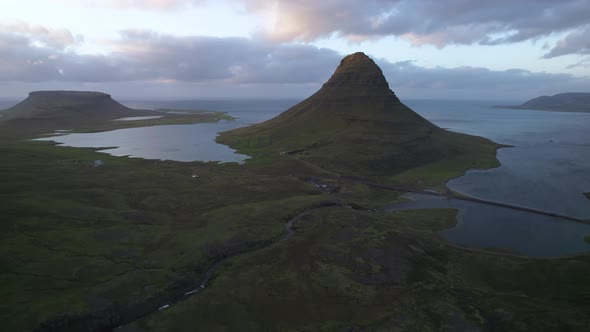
<point x="195" y="49"/>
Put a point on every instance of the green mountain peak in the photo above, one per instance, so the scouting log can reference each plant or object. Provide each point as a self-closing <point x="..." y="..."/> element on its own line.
<point x="354" y="124"/>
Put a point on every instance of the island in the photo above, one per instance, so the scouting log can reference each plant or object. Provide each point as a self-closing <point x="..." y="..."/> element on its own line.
<point x="563" y="102"/>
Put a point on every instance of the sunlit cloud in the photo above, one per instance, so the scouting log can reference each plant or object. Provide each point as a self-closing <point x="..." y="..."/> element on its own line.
<point x="423" y="22"/>
<point x="157" y="5"/>
<point x="40" y="36"/>
<point x="227" y="63"/>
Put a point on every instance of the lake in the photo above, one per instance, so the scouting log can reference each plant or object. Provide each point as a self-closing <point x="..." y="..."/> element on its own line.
<point x="548" y="168"/>
<point x="192" y="142"/>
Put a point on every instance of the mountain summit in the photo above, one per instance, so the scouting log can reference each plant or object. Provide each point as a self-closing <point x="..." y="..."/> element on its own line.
<point x="356" y="124"/>
<point x="357" y="75"/>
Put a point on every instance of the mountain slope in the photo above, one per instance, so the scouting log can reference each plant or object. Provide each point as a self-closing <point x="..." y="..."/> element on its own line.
<point x="356" y="125"/>
<point x="563" y="102"/>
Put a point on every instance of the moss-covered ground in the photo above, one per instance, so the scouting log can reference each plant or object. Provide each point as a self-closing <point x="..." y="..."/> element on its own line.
<point x="363" y="271"/>
<point x="78" y="238"/>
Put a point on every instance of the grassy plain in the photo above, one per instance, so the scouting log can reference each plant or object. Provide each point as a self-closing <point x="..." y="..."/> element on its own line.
<point x="79" y="238"/>
<point x="364" y="271"/>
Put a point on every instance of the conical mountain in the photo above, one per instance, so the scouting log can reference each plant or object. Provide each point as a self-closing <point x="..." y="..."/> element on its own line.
<point x="357" y="95"/>
<point x="355" y="124"/>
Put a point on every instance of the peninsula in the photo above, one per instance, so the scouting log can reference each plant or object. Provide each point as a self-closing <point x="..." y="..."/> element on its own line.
<point x="563" y="102"/>
<point x="45" y="111"/>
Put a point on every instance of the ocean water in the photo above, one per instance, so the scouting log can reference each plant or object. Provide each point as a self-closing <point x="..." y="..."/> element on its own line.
<point x="487" y="226"/>
<point x="7" y="103"/>
<point x="247" y="111"/>
<point x="548" y="167"/>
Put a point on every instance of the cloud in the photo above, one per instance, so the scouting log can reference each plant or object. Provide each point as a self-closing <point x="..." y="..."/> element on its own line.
<point x="421" y="22"/>
<point x="584" y="63"/>
<point x="146" y="55"/>
<point x="476" y="82"/>
<point x="438" y="23"/>
<point x="256" y="66"/>
<point x="232" y="60"/>
<point x="155" y="5"/>
<point x="575" y="42"/>
<point x="53" y="38"/>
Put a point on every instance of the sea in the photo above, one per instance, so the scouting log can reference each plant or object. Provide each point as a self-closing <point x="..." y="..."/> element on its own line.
<point x="546" y="167"/>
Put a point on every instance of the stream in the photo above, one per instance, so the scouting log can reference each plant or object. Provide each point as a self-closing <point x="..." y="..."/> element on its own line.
<point x="210" y="272"/>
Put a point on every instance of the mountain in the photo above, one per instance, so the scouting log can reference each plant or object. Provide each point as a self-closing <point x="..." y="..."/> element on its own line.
<point x="45" y="111"/>
<point x="69" y="106"/>
<point x="563" y="102"/>
<point x="355" y="124"/>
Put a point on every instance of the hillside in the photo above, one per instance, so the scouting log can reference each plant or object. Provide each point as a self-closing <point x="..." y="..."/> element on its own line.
<point x="563" y="102"/>
<point x="355" y="124"/>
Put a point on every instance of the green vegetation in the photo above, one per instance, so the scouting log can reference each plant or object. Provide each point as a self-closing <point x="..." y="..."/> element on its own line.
<point x="350" y="270"/>
<point x="351" y="127"/>
<point x="86" y="248"/>
<point x="78" y="238"/>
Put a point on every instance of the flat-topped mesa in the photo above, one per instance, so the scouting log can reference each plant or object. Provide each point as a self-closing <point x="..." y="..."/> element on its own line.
<point x="67" y="93"/>
<point x="65" y="98"/>
<point x="357" y="76"/>
<point x="69" y="106"/>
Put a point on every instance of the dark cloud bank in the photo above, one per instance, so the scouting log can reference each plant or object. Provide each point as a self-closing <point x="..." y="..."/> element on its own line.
<point x="168" y="66"/>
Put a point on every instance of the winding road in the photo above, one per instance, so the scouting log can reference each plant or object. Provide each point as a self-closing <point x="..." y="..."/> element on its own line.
<point x="372" y="183"/>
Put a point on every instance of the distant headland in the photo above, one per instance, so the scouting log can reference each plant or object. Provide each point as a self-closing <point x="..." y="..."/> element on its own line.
<point x="563" y="102"/>
<point x="43" y="112"/>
